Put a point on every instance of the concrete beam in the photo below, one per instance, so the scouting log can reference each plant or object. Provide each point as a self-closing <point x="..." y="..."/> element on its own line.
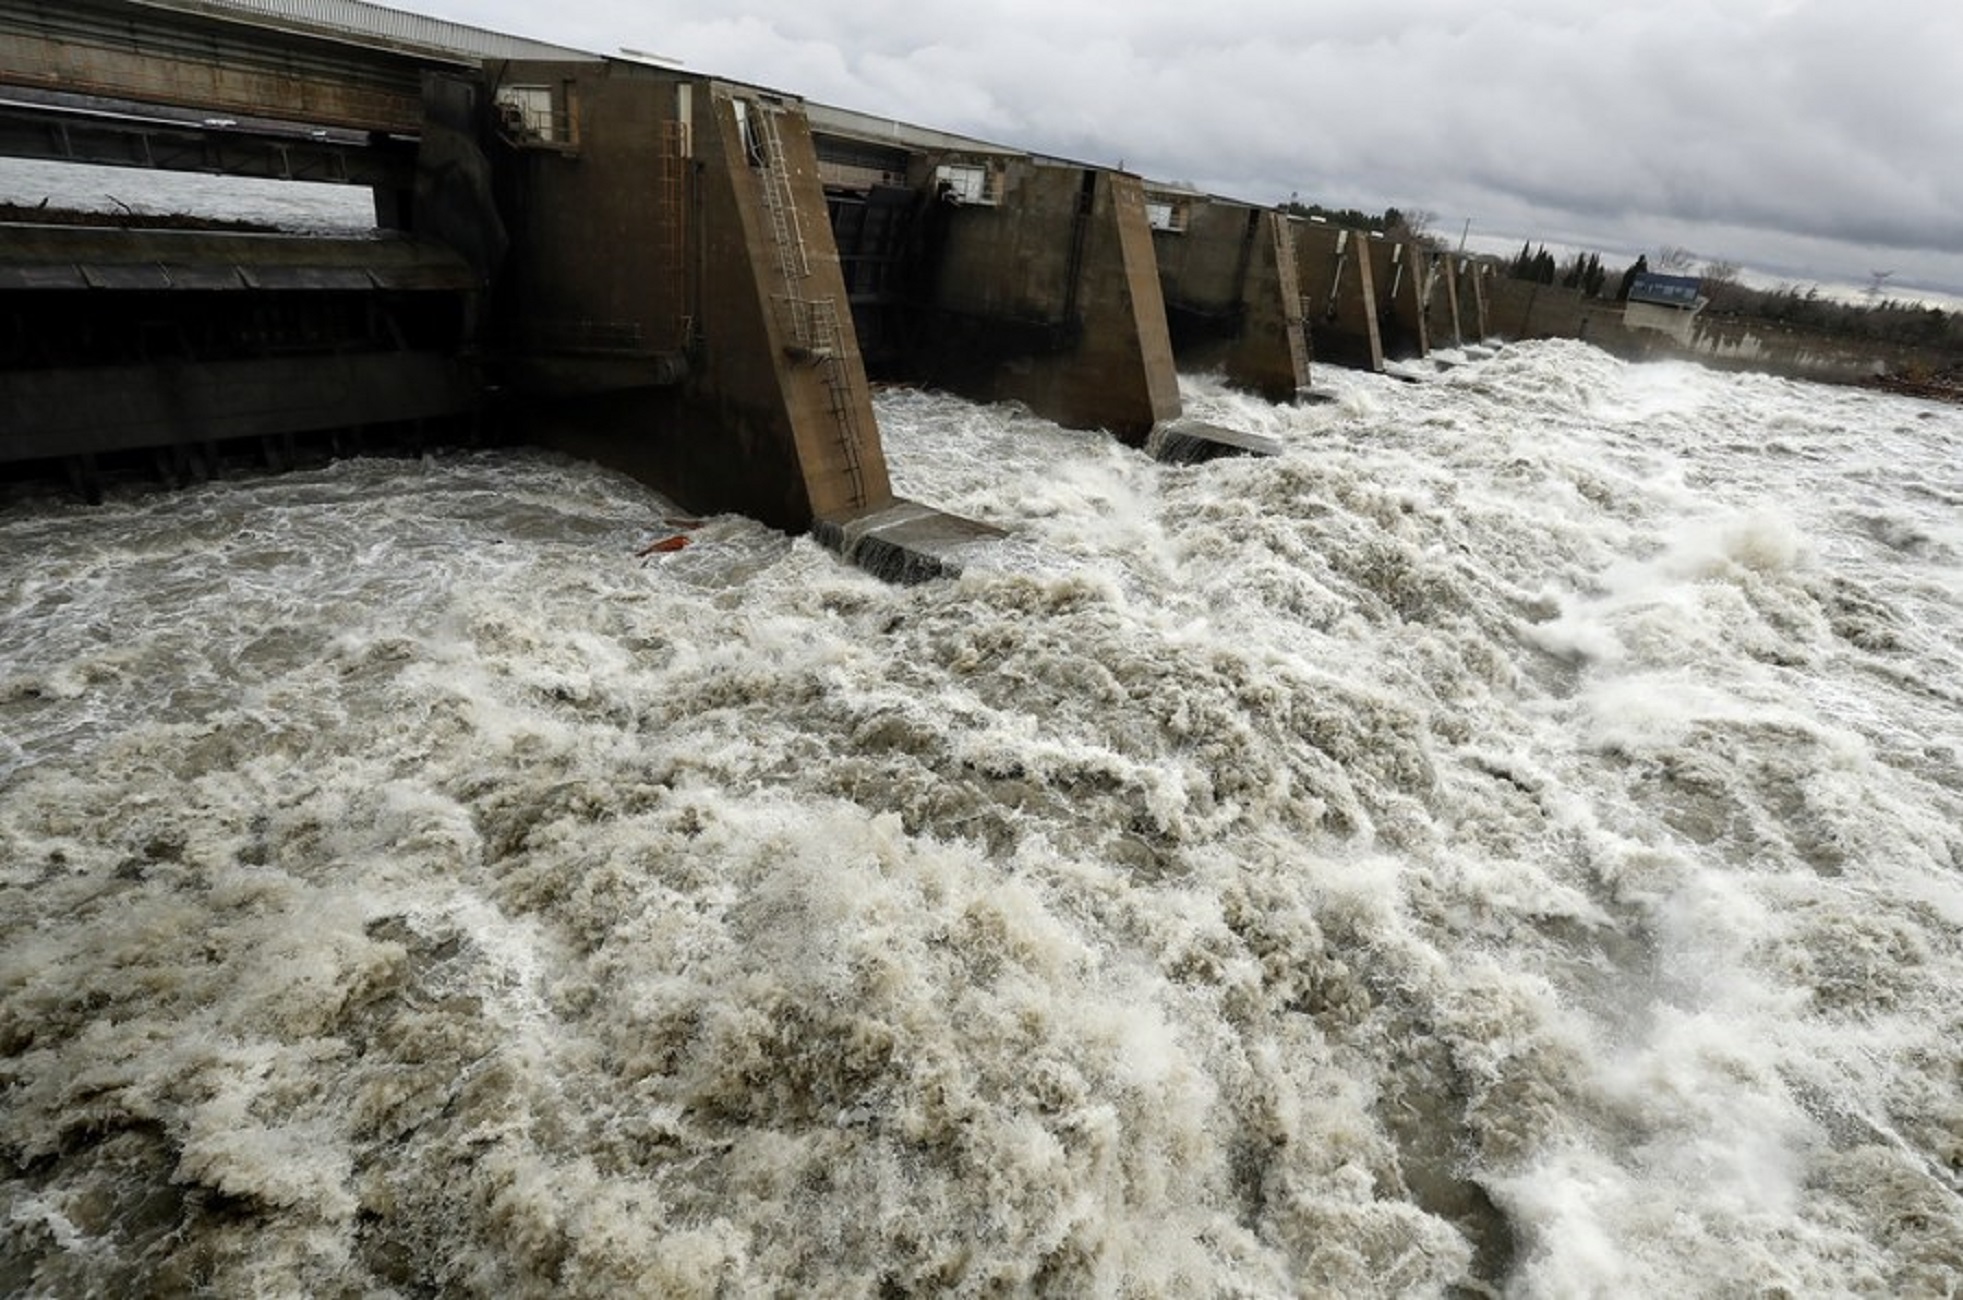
<point x="1228" y="276"/>
<point x="1339" y="295"/>
<point x="78" y="411"/>
<point x="1041" y="287"/>
<point x="75" y="134"/>
<point x="152" y="55"/>
<point x="683" y="218"/>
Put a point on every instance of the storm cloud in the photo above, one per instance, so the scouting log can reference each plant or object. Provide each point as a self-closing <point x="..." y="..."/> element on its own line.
<point x="1802" y="138"/>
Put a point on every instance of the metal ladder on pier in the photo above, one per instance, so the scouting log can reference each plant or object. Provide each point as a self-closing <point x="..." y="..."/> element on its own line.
<point x="786" y="231"/>
<point x="671" y="208"/>
<point x="814" y="322"/>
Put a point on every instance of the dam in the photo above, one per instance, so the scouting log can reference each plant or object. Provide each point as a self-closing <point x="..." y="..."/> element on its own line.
<point x="685" y="278"/>
<point x="689" y="279"/>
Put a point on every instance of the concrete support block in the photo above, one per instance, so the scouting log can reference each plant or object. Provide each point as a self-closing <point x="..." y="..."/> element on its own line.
<point x="1339" y="295"/>
<point x="1043" y="289"/>
<point x="906" y="542"/>
<point x="1475" y="320"/>
<point x="676" y="216"/>
<point x="1443" y="317"/>
<point x="1194" y="442"/>
<point x="1228" y="276"/>
<point x="1399" y="270"/>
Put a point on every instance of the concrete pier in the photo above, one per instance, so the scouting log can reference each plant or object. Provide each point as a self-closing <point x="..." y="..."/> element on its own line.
<point x="1339" y="295"/>
<point x="1228" y="276"/>
<point x="672" y="303"/>
<point x="1399" y="272"/>
<point x="1443" y="322"/>
<point x="999" y="274"/>
<point x="1045" y="290"/>
<point x="1475" y="318"/>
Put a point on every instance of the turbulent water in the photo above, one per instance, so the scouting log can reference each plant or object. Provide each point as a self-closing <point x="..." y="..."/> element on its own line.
<point x="1512" y="843"/>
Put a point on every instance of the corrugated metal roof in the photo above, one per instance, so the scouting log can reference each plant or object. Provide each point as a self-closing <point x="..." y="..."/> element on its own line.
<point x="1666" y="290"/>
<point x="372" y="24"/>
<point x="847" y="124"/>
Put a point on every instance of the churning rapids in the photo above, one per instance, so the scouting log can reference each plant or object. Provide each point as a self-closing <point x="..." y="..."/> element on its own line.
<point x="1510" y="844"/>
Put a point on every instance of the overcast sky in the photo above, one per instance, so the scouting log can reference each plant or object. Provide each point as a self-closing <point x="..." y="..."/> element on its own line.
<point x="1811" y="140"/>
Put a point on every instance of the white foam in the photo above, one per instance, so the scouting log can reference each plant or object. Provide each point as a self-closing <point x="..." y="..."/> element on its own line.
<point x="1522" y="812"/>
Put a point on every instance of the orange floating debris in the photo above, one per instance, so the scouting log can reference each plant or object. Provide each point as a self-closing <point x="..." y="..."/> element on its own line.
<point x="674" y="543"/>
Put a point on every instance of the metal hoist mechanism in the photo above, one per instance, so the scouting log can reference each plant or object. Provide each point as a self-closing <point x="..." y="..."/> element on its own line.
<point x="1336" y="279"/>
<point x="815" y="329"/>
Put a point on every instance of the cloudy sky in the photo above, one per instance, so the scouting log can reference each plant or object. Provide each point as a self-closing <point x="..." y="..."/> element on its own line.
<point x="1810" y="140"/>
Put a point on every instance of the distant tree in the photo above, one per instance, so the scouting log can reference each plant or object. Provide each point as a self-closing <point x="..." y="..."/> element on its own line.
<point x="1640" y="267"/>
<point x="1675" y="259"/>
<point x="1535" y="264"/>
<point x="1593" y="279"/>
<point x="1721" y="285"/>
<point x="1413" y="224"/>
<point x="1584" y="273"/>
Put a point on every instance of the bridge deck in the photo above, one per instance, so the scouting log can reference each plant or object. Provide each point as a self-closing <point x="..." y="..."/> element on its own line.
<point x="324" y="63"/>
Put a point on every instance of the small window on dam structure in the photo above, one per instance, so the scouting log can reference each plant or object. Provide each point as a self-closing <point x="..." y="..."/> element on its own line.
<point x="1165" y="214"/>
<point x="525" y="114"/>
<point x="968" y="183"/>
